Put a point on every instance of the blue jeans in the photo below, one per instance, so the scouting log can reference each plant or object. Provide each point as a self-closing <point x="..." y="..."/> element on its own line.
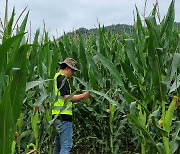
<point x="63" y="139"/>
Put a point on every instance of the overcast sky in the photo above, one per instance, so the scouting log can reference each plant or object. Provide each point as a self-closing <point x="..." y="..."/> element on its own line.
<point x="68" y="15"/>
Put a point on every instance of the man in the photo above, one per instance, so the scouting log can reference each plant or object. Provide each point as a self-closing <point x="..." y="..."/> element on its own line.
<point x="63" y="122"/>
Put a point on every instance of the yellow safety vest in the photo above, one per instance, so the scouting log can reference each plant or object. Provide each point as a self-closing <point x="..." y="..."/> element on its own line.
<point x="59" y="104"/>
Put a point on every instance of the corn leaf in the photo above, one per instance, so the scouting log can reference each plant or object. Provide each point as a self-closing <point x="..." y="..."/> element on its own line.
<point x="175" y="85"/>
<point x="113" y="70"/>
<point x="6" y="46"/>
<point x="167" y="24"/>
<point x="83" y="60"/>
<point x="11" y="103"/>
<point x="18" y="85"/>
<point x="149" y="138"/>
<point x="130" y="49"/>
<point x="94" y="69"/>
<point x="34" y="124"/>
<point x="106" y="97"/>
<point x="175" y="139"/>
<point x="169" y="116"/>
<point x="7" y="124"/>
<point x="32" y="84"/>
<point x="16" y="45"/>
<point x="8" y="29"/>
<point x="53" y="67"/>
<point x="129" y="73"/>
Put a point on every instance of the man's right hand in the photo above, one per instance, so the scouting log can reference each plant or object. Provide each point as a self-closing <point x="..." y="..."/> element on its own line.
<point x="78" y="97"/>
<point x="86" y="94"/>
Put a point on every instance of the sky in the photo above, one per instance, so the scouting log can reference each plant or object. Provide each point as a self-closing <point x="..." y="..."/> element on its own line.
<point x="62" y="16"/>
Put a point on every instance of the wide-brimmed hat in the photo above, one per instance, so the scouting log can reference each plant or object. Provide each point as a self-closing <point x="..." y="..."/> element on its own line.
<point x="70" y="62"/>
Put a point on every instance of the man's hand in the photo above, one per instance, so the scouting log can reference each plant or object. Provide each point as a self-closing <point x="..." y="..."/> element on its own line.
<point x="78" y="97"/>
<point x="86" y="95"/>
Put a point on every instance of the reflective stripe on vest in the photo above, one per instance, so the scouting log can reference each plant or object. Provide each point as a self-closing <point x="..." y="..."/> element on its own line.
<point x="59" y="107"/>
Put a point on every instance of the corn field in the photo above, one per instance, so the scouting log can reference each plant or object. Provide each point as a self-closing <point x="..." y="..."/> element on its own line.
<point x="134" y="81"/>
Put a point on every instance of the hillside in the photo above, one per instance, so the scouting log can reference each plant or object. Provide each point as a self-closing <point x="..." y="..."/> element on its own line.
<point x="113" y="28"/>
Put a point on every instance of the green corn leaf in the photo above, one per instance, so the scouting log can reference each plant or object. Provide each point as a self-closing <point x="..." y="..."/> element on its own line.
<point x="144" y="131"/>
<point x="174" y="145"/>
<point x="74" y="50"/>
<point x="175" y="85"/>
<point x="130" y="48"/>
<point x="139" y="24"/>
<point x="66" y="44"/>
<point x="154" y="60"/>
<point x="133" y="108"/>
<point x="175" y="64"/>
<point x="48" y="115"/>
<point x="140" y="43"/>
<point x="12" y="102"/>
<point x="129" y="73"/>
<point x="25" y="134"/>
<point x="167" y="24"/>
<point x="112" y="68"/>
<point x="16" y="46"/>
<point x="6" y="46"/>
<point x="8" y="29"/>
<point x="82" y="82"/>
<point x="158" y="129"/>
<point x="93" y="81"/>
<point x="35" y="128"/>
<point x="35" y="57"/>
<point x="41" y="98"/>
<point x="155" y="113"/>
<point x="46" y="51"/>
<point x="52" y="70"/>
<point x="32" y="84"/>
<point x="83" y="60"/>
<point x="18" y="84"/>
<point x="23" y="24"/>
<point x="137" y="101"/>
<point x="142" y="115"/>
<point x="42" y="72"/>
<point x="154" y="11"/>
<point x="100" y="43"/>
<point x="106" y="97"/>
<point x="154" y="32"/>
<point x="13" y="147"/>
<point x="94" y="69"/>
<point x="169" y="115"/>
<point x="7" y="123"/>
<point x="20" y="121"/>
<point x="62" y="51"/>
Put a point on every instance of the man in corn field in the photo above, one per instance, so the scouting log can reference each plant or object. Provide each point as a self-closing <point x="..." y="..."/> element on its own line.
<point x="63" y="112"/>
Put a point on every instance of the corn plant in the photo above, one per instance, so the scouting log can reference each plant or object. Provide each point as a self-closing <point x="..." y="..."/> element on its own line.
<point x="13" y="82"/>
<point x="133" y="79"/>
